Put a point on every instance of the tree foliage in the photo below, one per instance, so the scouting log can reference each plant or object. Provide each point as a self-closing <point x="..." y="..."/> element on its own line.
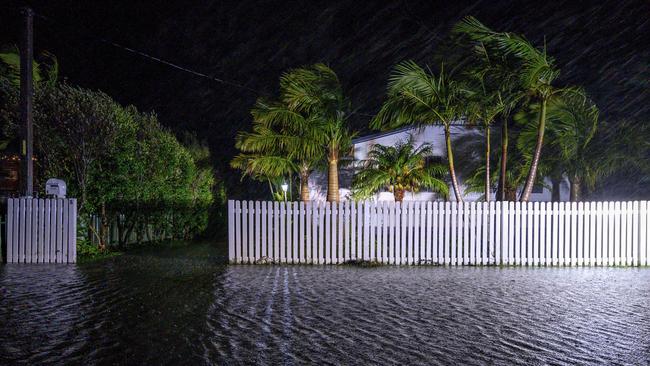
<point x="120" y="163"/>
<point x="400" y="168"/>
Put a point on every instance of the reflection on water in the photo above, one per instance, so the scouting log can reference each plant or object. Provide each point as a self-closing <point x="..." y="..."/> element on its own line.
<point x="182" y="306"/>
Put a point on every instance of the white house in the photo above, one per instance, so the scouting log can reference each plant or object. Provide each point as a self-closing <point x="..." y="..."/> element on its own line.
<point x="433" y="134"/>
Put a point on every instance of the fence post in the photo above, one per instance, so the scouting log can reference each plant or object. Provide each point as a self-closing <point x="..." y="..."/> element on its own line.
<point x="492" y="220"/>
<point x="10" y="232"/>
<point x="643" y="234"/>
<point x="309" y="221"/>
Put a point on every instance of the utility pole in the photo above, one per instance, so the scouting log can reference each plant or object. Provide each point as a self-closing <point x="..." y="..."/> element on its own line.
<point x="26" y="103"/>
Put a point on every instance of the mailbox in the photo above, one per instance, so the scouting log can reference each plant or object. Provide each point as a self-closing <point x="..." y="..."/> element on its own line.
<point x="55" y="187"/>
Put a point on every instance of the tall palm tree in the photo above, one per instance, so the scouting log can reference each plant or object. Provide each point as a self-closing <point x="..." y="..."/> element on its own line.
<point x="399" y="168"/>
<point x="493" y="77"/>
<point x="316" y="92"/>
<point x="283" y="142"/>
<point x="420" y="97"/>
<point x="483" y="106"/>
<point x="537" y="73"/>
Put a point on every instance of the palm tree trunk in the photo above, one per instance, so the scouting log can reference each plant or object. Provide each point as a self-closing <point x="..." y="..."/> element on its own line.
<point x="487" y="163"/>
<point x="510" y="193"/>
<point x="452" y="169"/>
<point x="555" y="190"/>
<point x="399" y="195"/>
<point x="576" y="188"/>
<point x="304" y="185"/>
<point x="504" y="161"/>
<point x="333" y="178"/>
<point x="532" y="173"/>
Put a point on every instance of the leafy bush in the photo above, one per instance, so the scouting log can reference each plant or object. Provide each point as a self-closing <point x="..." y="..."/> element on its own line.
<point x="121" y="164"/>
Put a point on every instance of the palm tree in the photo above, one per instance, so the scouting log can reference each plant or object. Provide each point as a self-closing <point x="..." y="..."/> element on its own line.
<point x="483" y="106"/>
<point x="283" y="142"/>
<point x="493" y="80"/>
<point x="316" y="92"/>
<point x="419" y="97"/>
<point x="573" y="121"/>
<point x="537" y="72"/>
<point x="399" y="168"/>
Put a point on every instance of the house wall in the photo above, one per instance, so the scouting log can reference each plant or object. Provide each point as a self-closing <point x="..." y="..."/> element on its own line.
<point x="434" y="135"/>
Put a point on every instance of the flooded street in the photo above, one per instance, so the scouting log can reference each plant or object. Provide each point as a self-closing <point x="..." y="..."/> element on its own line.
<point x="184" y="306"/>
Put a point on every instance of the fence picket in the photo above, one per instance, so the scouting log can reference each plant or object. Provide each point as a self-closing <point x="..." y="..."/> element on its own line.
<point x="643" y="216"/>
<point x="243" y="228"/>
<point x="410" y="207"/>
<point x="599" y="234"/>
<point x="580" y="236"/>
<point x="372" y="219"/>
<point x="590" y="207"/>
<point x="384" y="232"/>
<point x="10" y="232"/>
<point x="321" y="233"/>
<point x="360" y="225"/>
<point x="421" y="241"/>
<point x="53" y="230"/>
<point x="493" y="222"/>
<point x="309" y="223"/>
<point x="391" y="233"/>
<point x="231" y="230"/>
<point x="535" y="228"/>
<point x="439" y="238"/>
<point x="348" y="234"/>
<point x="541" y="233"/>
<point x="328" y="231"/>
<point x="433" y="231"/>
<point x="631" y="227"/>
<point x="465" y="237"/>
<point x="608" y="234"/>
<point x="340" y="231"/>
<point x="264" y="231"/>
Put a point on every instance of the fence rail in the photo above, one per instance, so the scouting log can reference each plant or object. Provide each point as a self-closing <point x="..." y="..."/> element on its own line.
<point x="41" y="230"/>
<point x="440" y="233"/>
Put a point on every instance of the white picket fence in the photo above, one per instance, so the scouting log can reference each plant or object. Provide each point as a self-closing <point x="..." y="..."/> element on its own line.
<point x="41" y="230"/>
<point x="440" y="233"/>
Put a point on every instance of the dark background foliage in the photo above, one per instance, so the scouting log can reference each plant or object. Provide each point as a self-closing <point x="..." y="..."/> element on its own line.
<point x="603" y="46"/>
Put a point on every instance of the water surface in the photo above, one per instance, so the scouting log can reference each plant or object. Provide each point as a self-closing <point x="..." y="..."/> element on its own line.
<point x="184" y="306"/>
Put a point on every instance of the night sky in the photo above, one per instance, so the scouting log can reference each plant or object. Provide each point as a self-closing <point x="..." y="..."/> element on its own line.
<point x="604" y="46"/>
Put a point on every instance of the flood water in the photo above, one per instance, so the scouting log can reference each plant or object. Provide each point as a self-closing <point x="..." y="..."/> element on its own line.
<point x="184" y="306"/>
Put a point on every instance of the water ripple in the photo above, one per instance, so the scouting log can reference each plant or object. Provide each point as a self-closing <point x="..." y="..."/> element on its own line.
<point x="187" y="308"/>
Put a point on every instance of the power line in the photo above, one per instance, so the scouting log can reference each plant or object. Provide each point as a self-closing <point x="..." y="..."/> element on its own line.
<point x="168" y="63"/>
<point x="162" y="61"/>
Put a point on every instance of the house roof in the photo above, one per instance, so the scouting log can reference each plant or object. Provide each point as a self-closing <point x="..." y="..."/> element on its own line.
<point x="377" y="135"/>
<point x="381" y="134"/>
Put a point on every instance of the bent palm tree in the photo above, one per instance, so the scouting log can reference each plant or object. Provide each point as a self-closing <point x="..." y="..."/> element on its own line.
<point x="399" y="168"/>
<point x="419" y="97"/>
<point x="316" y="92"/>
<point x="537" y="72"/>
